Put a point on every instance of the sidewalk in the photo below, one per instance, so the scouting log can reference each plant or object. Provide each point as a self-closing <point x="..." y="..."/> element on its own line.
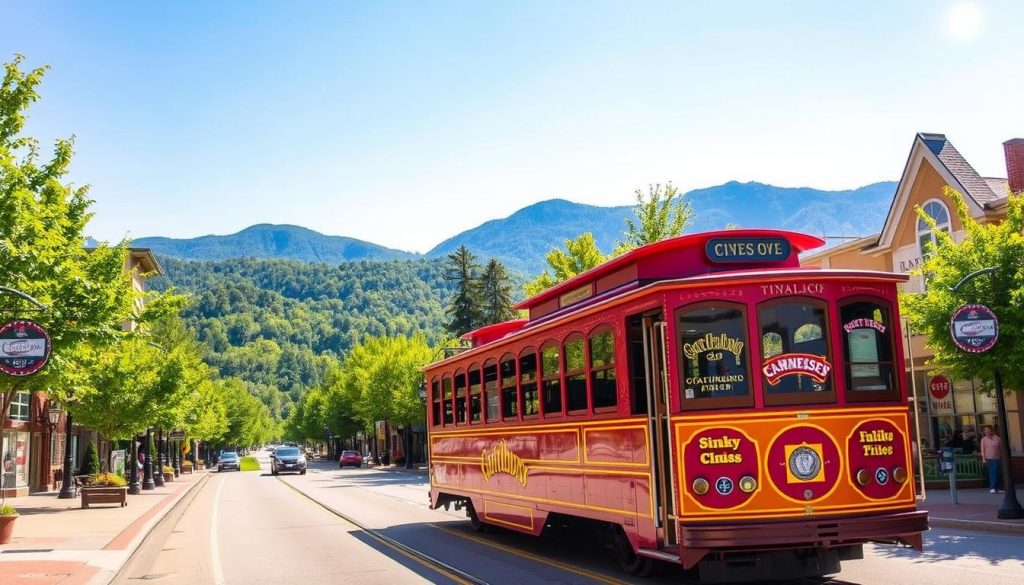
<point x="976" y="510"/>
<point x="57" y="542"/>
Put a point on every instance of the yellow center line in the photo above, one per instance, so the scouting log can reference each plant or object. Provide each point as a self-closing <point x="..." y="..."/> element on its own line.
<point x="534" y="557"/>
<point x="346" y="520"/>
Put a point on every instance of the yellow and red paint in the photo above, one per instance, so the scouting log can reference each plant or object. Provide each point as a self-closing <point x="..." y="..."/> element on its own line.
<point x="809" y="466"/>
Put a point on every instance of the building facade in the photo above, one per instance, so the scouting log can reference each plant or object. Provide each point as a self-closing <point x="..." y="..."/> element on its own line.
<point x="951" y="412"/>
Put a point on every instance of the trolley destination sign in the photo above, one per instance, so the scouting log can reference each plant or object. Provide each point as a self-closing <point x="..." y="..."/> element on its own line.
<point x="975" y="328"/>
<point x="768" y="249"/>
<point x="24" y="348"/>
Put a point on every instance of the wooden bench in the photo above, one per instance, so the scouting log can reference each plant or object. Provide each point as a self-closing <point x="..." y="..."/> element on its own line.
<point x="104" y="495"/>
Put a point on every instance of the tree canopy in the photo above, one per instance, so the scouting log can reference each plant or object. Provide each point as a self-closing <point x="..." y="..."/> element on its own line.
<point x="998" y="245"/>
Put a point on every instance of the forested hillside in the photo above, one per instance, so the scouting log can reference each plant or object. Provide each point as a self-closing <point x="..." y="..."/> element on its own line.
<point x="280" y="324"/>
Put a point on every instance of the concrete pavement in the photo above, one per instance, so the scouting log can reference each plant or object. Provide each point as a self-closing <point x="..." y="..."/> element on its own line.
<point x="57" y="542"/>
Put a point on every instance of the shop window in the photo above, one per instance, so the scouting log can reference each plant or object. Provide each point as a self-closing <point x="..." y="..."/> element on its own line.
<point x="449" y="413"/>
<point x="476" y="394"/>
<point x="868" y="351"/>
<point x="575" y="375"/>
<point x="460" y="398"/>
<point x="436" y="400"/>
<point x="602" y="369"/>
<point x="963" y="396"/>
<point x="714" y="362"/>
<point x="796" y="362"/>
<point x="551" y="379"/>
<point x="528" y="382"/>
<point x="492" y="397"/>
<point x="509" y="392"/>
<point x="19" y="408"/>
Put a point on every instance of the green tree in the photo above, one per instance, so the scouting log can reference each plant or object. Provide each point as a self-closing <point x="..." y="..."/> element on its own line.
<point x="496" y="293"/>
<point x="996" y="245"/>
<point x="42" y="248"/>
<point x="464" y="312"/>
<point x="580" y="255"/>
<point x="659" y="214"/>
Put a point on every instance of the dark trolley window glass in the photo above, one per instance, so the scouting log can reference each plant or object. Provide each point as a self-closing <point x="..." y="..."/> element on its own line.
<point x="528" y="382"/>
<point x="460" y="398"/>
<point x="551" y="379"/>
<point x="491" y="390"/>
<point x="575" y="375"/>
<point x="475" y="394"/>
<point x="796" y="364"/>
<point x="713" y="356"/>
<point x="602" y="369"/>
<point x="435" y="393"/>
<point x="449" y="416"/>
<point x="867" y="349"/>
<point x="509" y="396"/>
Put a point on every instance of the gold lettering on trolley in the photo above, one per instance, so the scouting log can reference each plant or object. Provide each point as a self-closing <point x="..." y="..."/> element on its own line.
<point x="711" y="342"/>
<point x="501" y="460"/>
<point x="800" y="288"/>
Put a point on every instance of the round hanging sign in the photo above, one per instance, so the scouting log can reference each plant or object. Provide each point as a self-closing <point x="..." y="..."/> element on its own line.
<point x="24" y="348"/>
<point x="975" y="328"/>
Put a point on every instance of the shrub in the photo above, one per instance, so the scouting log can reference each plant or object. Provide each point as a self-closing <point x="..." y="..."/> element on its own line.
<point x="91" y="461"/>
<point x="8" y="510"/>
<point x="106" y="479"/>
<point x="168" y="469"/>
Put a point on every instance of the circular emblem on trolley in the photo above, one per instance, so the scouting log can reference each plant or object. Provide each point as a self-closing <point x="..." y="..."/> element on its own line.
<point x="804" y="463"/>
<point x="723" y="486"/>
<point x="882" y="476"/>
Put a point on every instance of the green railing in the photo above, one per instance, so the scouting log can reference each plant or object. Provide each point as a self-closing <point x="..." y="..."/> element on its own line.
<point x="967" y="467"/>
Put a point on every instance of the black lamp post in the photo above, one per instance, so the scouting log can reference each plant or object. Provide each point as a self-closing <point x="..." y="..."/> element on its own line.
<point x="134" y="487"/>
<point x="423" y="399"/>
<point x="67" y="488"/>
<point x="53" y="417"/>
<point x="147" y="480"/>
<point x="1010" y="507"/>
<point x="158" y="463"/>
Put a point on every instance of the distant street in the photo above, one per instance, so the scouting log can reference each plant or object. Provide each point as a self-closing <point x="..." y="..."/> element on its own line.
<point x="254" y="528"/>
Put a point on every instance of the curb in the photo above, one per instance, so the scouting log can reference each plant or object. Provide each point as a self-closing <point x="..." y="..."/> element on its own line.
<point x="976" y="525"/>
<point x="104" y="577"/>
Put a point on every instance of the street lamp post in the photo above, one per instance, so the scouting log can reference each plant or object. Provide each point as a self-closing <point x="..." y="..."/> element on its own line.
<point x="67" y="488"/>
<point x="423" y="399"/>
<point x="158" y="469"/>
<point x="53" y="417"/>
<point x="133" y="468"/>
<point x="1010" y="508"/>
<point x="147" y="480"/>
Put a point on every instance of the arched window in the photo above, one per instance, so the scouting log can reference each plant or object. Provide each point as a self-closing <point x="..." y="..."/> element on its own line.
<point x="528" y="382"/>
<point x="449" y="413"/>
<point x="509" y="392"/>
<point x="435" y="397"/>
<point x="602" y="368"/>
<point x="491" y="397"/>
<point x="460" y="398"/>
<point x="575" y="374"/>
<point x="936" y="210"/>
<point x="551" y="379"/>
<point x="475" y="394"/>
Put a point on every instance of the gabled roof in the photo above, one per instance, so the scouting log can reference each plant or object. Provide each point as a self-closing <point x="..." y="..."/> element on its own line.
<point x="938" y="151"/>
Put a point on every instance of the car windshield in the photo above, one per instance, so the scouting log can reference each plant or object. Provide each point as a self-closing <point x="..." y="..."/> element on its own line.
<point x="350" y="454"/>
<point x="287" y="452"/>
<point x="229" y="455"/>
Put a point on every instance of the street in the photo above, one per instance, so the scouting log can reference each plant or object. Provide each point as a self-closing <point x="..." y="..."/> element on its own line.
<point x="248" y="527"/>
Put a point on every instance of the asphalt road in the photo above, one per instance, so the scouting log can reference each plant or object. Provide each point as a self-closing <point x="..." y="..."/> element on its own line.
<point x="254" y="528"/>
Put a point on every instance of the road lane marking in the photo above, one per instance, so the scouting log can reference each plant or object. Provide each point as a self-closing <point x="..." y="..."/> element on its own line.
<point x="218" y="570"/>
<point x="533" y="557"/>
<point x="427" y="561"/>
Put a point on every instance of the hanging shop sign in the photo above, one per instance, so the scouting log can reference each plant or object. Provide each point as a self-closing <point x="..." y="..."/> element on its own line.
<point x="24" y="348"/>
<point x="974" y="328"/>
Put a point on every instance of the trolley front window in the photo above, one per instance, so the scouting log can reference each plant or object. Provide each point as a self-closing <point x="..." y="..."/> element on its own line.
<point x="714" y="356"/>
<point x="868" y="351"/>
<point x="796" y="366"/>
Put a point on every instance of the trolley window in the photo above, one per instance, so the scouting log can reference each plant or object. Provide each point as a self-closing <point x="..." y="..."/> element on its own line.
<point x="796" y="364"/>
<point x="602" y="369"/>
<point x="551" y="379"/>
<point x="509" y="392"/>
<point x="491" y="390"/>
<point x="435" y="399"/>
<point x="476" y="398"/>
<point x="714" y="356"/>
<point x="528" y="382"/>
<point x="449" y="414"/>
<point x="575" y="375"/>
<point x="460" y="398"/>
<point x="868" y="351"/>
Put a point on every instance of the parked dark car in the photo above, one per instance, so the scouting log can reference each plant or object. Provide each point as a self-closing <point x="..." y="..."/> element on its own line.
<point x="350" y="458"/>
<point x="229" y="460"/>
<point x="287" y="459"/>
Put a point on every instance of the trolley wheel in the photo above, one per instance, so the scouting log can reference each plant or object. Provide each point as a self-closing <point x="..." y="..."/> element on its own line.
<point x="630" y="562"/>
<point x="474" y="519"/>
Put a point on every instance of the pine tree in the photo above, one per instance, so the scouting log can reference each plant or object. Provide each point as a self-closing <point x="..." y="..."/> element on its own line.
<point x="496" y="290"/>
<point x="465" y="312"/>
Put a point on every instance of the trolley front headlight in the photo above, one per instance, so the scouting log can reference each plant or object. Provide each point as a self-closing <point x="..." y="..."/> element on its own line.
<point x="899" y="475"/>
<point x="748" y="484"/>
<point x="863" y="476"/>
<point x="701" y="486"/>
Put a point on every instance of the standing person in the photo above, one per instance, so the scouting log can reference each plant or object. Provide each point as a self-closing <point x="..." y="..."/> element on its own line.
<point x="991" y="456"/>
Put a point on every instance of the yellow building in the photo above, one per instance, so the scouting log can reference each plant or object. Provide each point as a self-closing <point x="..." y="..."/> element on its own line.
<point x="951" y="411"/>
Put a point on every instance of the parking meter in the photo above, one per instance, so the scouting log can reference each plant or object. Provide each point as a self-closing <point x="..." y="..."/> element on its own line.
<point x="948" y="465"/>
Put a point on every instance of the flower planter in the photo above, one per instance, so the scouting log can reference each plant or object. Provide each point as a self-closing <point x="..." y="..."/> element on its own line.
<point x="168" y="477"/>
<point x="7" y="528"/>
<point x="104" y="495"/>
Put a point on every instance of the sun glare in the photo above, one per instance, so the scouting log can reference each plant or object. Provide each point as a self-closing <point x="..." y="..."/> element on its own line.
<point x="963" y="21"/>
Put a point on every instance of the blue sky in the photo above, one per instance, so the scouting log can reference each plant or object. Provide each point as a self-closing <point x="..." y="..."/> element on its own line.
<point x="405" y="123"/>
